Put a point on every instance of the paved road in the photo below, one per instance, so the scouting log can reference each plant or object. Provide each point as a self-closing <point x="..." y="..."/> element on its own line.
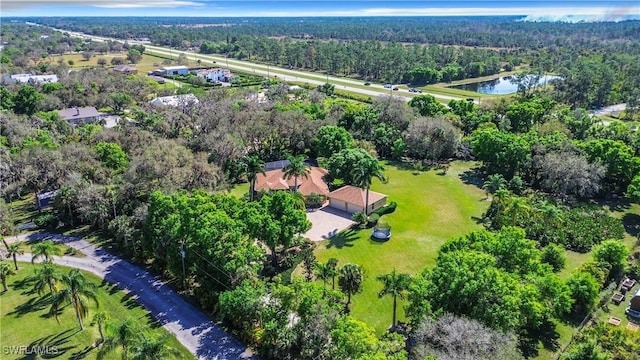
<point x="341" y="83"/>
<point x="607" y="110"/>
<point x="190" y="326"/>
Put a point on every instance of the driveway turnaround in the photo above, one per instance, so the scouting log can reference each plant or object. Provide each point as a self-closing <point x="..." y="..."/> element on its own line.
<point x="189" y="325"/>
<point x="326" y="222"/>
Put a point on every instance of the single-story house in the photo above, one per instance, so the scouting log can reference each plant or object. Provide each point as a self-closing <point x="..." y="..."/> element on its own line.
<point x="44" y="199"/>
<point x="175" y="100"/>
<point x="352" y="199"/>
<point x="30" y="79"/>
<point x="229" y="78"/>
<point x="174" y="70"/>
<point x="313" y="183"/>
<point x="125" y="69"/>
<point x="83" y="115"/>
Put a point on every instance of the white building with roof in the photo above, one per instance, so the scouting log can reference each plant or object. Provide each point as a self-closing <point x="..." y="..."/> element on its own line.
<point x="30" y="79"/>
<point x="174" y="70"/>
<point x="175" y="100"/>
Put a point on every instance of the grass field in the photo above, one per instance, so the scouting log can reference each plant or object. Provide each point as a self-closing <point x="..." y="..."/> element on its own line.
<point x="431" y="209"/>
<point x="24" y="320"/>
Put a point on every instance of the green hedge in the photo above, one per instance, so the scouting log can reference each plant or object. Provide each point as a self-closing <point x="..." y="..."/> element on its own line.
<point x="387" y="209"/>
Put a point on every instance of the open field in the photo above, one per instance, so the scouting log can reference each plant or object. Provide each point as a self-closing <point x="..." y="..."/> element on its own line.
<point x="431" y="209"/>
<point x="25" y="320"/>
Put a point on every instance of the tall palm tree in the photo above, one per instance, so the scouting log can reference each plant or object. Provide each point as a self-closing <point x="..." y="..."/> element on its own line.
<point x="549" y="212"/>
<point x="5" y="271"/>
<point x="46" y="276"/>
<point x="350" y="280"/>
<point x="123" y="334"/>
<point x="394" y="284"/>
<point x="77" y="292"/>
<point x="297" y="168"/>
<point x="153" y="349"/>
<point x="99" y="319"/>
<point x="323" y="271"/>
<point x="253" y="166"/>
<point x="493" y="183"/>
<point x="517" y="206"/>
<point x="13" y="250"/>
<point x="332" y="264"/>
<point x="363" y="174"/>
<point x="44" y="249"/>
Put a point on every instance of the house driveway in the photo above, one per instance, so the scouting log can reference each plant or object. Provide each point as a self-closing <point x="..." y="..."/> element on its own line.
<point x="326" y="222"/>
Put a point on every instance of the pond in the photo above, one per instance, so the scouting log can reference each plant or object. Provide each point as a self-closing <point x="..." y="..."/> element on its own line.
<point x="500" y="86"/>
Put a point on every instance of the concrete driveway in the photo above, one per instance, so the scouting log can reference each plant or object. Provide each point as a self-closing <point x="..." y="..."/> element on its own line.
<point x="326" y="222"/>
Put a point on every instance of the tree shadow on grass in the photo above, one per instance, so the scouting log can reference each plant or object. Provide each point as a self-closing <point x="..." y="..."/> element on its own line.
<point x="129" y="301"/>
<point x="615" y="203"/>
<point x="631" y="223"/>
<point x="82" y="353"/>
<point x="50" y="347"/>
<point x="343" y="239"/>
<point x="38" y="303"/>
<point x="472" y="177"/>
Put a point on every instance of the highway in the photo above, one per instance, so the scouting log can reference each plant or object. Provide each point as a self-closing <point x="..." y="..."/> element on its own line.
<point x="287" y="75"/>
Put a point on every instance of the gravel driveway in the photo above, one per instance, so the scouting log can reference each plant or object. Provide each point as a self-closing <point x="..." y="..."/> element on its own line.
<point x="189" y="325"/>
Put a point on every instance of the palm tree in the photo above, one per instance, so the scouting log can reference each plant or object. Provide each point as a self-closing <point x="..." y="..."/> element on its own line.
<point x="350" y="280"/>
<point x="297" y="168"/>
<point x="253" y="166"/>
<point x="123" y="334"/>
<point x="99" y="319"/>
<point x="517" y="206"/>
<point x="323" y="271"/>
<point x="5" y="271"/>
<point x="13" y="250"/>
<point x="44" y="249"/>
<point x="494" y="183"/>
<point x="77" y="292"/>
<point x="363" y="174"/>
<point x="394" y="284"/>
<point x="46" y="276"/>
<point x="153" y="349"/>
<point x="332" y="264"/>
<point x="549" y="212"/>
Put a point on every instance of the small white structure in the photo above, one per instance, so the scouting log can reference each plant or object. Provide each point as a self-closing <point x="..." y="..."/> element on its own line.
<point x="83" y="115"/>
<point x="216" y="74"/>
<point x="174" y="70"/>
<point x="30" y="79"/>
<point x="175" y="100"/>
<point x="352" y="199"/>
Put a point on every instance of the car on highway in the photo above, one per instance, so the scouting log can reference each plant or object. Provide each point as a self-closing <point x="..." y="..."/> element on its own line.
<point x="395" y="88"/>
<point x="387" y="86"/>
<point x="367" y="83"/>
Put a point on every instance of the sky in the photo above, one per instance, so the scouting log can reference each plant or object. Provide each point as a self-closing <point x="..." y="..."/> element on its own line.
<point x="598" y="10"/>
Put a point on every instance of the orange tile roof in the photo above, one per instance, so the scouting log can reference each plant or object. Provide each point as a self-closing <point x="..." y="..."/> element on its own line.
<point x="355" y="195"/>
<point x="314" y="183"/>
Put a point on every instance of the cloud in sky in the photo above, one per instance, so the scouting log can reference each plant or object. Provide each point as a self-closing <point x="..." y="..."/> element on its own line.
<point x="25" y="4"/>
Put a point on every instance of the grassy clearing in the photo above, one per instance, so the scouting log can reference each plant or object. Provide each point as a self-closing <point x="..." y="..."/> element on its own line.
<point x="25" y="321"/>
<point x="64" y="249"/>
<point x="431" y="209"/>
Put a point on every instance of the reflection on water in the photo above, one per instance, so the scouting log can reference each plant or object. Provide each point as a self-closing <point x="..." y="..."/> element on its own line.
<point x="501" y="86"/>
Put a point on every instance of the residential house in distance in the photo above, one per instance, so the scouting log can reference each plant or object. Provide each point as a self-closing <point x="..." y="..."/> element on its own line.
<point x="125" y="69"/>
<point x="83" y="115"/>
<point x="352" y="199"/>
<point x="217" y="74"/>
<point x="175" y="100"/>
<point x="44" y="199"/>
<point x="174" y="70"/>
<point x="30" y="79"/>
<point x="313" y="183"/>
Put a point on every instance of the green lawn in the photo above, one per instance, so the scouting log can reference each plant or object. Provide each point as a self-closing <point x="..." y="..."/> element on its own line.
<point x="24" y="320"/>
<point x="431" y="209"/>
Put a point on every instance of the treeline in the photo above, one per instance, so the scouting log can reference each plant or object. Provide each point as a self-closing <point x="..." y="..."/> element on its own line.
<point x="505" y="32"/>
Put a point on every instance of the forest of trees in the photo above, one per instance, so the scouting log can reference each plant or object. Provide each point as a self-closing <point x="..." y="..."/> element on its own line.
<point x="155" y="184"/>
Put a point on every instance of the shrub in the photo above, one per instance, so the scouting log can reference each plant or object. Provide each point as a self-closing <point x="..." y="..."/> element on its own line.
<point x="314" y="200"/>
<point x="45" y="221"/>
<point x="360" y="218"/>
<point x="387" y="209"/>
<point x="373" y="219"/>
<point x="554" y="255"/>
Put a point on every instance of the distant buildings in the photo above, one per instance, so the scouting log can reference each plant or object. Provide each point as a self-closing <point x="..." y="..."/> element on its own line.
<point x="174" y="70"/>
<point x="175" y="100"/>
<point x="83" y="115"/>
<point x="30" y="79"/>
<point x="125" y="69"/>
